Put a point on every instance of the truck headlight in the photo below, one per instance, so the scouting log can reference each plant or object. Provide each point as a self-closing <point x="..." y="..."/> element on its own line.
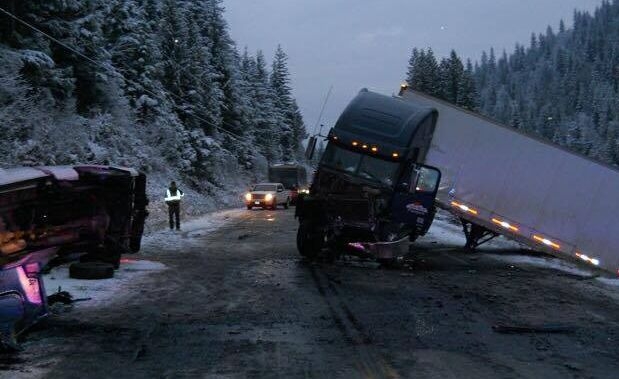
<point x="248" y="196"/>
<point x="268" y="197"/>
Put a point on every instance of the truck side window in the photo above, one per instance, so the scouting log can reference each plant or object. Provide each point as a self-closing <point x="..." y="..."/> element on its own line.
<point x="427" y="180"/>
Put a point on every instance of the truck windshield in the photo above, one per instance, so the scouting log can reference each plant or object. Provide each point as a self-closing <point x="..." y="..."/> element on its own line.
<point x="360" y="165"/>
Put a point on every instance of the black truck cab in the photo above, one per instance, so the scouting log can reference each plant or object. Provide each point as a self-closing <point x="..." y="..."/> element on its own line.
<point x="370" y="186"/>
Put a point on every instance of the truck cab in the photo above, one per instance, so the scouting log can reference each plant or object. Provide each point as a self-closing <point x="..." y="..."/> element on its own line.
<point x="370" y="186"/>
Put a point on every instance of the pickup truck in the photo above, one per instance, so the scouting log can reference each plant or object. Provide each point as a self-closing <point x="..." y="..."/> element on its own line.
<point x="268" y="195"/>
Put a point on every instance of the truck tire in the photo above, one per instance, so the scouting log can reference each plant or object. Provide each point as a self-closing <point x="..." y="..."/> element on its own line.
<point x="91" y="270"/>
<point x="309" y="241"/>
<point x="274" y="206"/>
<point x="249" y="207"/>
<point x="287" y="203"/>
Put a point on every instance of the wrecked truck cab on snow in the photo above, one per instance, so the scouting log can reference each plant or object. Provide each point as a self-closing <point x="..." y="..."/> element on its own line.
<point x="370" y="189"/>
<point x="51" y="215"/>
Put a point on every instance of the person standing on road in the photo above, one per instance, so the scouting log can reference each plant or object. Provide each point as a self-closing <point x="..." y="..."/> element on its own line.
<point x="173" y="198"/>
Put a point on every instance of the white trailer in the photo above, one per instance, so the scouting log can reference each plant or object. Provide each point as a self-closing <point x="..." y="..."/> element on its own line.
<point x="499" y="180"/>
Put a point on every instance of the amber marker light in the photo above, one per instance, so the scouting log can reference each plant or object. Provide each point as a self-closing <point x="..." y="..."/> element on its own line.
<point x="355" y="143"/>
<point x="464" y="208"/>
<point x="395" y="155"/>
<point x="593" y="261"/>
<point x="374" y="149"/>
<point x="364" y="146"/>
<point x="505" y="224"/>
<point x="546" y="241"/>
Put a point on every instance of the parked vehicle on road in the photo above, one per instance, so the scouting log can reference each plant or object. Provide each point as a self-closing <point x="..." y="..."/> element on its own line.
<point x="267" y="196"/>
<point x="292" y="176"/>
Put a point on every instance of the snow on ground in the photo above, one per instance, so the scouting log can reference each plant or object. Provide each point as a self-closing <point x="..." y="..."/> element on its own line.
<point x="447" y="231"/>
<point x="172" y="239"/>
<point x="134" y="268"/>
<point x="100" y="291"/>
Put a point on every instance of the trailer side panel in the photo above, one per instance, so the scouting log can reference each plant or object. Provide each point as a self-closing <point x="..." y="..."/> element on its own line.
<point x="557" y="200"/>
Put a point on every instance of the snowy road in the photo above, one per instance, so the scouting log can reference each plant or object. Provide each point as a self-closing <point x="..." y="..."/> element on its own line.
<point x="236" y="301"/>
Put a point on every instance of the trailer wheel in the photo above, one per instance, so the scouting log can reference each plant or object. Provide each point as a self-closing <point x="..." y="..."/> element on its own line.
<point x="91" y="270"/>
<point x="308" y="241"/>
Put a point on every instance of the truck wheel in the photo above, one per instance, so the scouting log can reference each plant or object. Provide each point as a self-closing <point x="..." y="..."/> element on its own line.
<point x="274" y="206"/>
<point x="287" y="203"/>
<point x="249" y="207"/>
<point x="308" y="241"/>
<point x="91" y="270"/>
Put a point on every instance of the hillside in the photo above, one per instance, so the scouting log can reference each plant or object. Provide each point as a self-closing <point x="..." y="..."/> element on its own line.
<point x="154" y="84"/>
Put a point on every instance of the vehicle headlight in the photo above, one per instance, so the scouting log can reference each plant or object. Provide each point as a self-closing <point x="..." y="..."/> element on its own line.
<point x="304" y="191"/>
<point x="248" y="196"/>
<point x="268" y="197"/>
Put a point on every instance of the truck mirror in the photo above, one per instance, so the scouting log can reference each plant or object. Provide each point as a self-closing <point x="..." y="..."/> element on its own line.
<point x="311" y="147"/>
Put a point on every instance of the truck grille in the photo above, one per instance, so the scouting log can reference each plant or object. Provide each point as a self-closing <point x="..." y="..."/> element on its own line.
<point x="257" y="196"/>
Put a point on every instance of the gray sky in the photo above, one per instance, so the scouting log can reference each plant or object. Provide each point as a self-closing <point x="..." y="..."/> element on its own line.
<point x="352" y="44"/>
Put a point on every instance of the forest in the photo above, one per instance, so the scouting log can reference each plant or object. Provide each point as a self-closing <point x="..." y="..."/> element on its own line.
<point x="562" y="85"/>
<point x="154" y="84"/>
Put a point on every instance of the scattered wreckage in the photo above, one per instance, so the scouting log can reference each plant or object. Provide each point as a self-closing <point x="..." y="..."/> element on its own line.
<point x="52" y="215"/>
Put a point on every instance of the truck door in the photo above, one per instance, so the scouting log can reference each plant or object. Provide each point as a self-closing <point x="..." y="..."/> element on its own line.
<point x="413" y="202"/>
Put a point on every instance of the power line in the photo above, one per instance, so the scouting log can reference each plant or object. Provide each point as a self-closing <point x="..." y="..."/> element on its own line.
<point x="105" y="67"/>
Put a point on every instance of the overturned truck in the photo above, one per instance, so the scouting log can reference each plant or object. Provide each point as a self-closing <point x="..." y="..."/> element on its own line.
<point x="51" y="215"/>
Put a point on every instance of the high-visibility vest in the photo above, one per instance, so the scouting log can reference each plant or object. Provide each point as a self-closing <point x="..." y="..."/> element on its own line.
<point x="179" y="195"/>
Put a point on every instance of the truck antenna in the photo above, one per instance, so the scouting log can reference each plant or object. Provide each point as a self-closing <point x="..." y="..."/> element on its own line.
<point x="321" y="111"/>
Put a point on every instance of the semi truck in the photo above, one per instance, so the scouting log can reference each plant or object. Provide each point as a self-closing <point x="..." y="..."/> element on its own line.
<point x="430" y="154"/>
<point x="371" y="186"/>
<point x="292" y="176"/>
<point x="53" y="215"/>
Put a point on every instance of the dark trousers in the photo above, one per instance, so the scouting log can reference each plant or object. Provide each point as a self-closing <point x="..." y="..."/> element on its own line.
<point x="174" y="210"/>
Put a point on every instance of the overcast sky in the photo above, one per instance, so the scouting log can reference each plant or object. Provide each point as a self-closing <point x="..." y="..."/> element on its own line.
<point x="352" y="44"/>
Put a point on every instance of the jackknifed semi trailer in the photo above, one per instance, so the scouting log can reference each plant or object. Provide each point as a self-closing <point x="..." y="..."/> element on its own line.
<point x="501" y="181"/>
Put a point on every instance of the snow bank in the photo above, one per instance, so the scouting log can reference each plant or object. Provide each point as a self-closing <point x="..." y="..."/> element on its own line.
<point x="100" y="291"/>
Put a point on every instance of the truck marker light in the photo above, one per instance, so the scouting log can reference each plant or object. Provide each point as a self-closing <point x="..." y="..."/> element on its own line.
<point x="464" y="208"/>
<point x="585" y="258"/>
<point x="355" y="143"/>
<point x="335" y="138"/>
<point x="365" y="146"/>
<point x="546" y="242"/>
<point x="505" y="225"/>
<point x="395" y="155"/>
<point x="248" y="196"/>
<point x="374" y="149"/>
